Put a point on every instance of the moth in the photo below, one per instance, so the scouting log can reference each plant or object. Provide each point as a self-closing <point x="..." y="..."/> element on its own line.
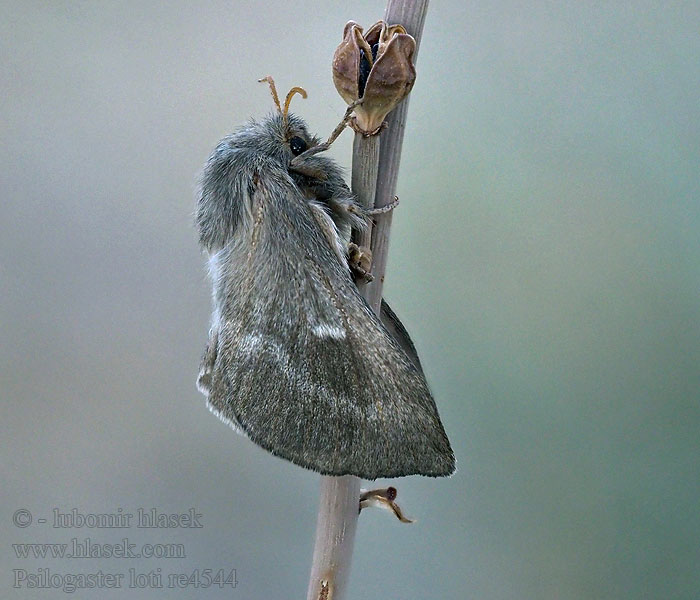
<point x="296" y="360"/>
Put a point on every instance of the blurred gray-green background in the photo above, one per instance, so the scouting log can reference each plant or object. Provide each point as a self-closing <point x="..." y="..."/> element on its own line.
<point x="546" y="258"/>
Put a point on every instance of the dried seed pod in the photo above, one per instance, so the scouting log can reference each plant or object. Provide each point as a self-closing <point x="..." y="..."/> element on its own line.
<point x="377" y="68"/>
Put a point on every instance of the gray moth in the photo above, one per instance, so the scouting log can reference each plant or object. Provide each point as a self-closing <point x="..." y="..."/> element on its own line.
<point x="296" y="359"/>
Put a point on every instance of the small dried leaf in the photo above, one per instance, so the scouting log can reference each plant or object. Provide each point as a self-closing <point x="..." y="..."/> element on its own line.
<point x="383" y="498"/>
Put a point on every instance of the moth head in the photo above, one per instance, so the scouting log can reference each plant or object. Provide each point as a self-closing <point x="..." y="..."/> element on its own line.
<point x="286" y="131"/>
<point x="262" y="149"/>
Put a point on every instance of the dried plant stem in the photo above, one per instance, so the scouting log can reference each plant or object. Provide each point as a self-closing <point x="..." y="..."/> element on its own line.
<point x="338" y="510"/>
<point x="410" y="14"/>
<point x="374" y="174"/>
<point x="365" y="165"/>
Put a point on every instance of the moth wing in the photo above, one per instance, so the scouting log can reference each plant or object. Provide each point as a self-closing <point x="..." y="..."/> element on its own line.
<point x="396" y="329"/>
<point x="305" y="368"/>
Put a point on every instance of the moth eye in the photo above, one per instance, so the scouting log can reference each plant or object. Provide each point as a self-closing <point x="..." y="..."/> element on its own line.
<point x="297" y="145"/>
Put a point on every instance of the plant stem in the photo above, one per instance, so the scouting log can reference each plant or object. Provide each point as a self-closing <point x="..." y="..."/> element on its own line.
<point x="365" y="165"/>
<point x="375" y="170"/>
<point x="410" y="14"/>
<point x="338" y="510"/>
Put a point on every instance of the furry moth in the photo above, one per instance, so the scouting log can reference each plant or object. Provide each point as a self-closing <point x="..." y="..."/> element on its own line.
<point x="296" y="360"/>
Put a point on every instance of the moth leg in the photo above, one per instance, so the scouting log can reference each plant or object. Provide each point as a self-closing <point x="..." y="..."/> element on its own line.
<point x="384" y="209"/>
<point x="371" y="212"/>
<point x="360" y="262"/>
<point x="307" y="168"/>
<point x="297" y="163"/>
<point x="304" y="164"/>
<point x="206" y="367"/>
